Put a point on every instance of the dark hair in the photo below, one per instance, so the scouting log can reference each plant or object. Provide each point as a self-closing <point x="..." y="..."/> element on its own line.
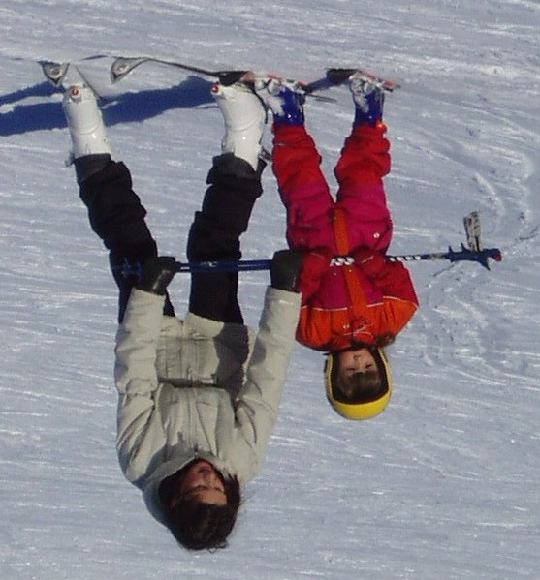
<point x="202" y="526"/>
<point x="384" y="340"/>
<point x="358" y="388"/>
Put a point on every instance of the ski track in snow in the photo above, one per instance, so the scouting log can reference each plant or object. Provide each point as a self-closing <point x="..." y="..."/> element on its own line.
<point x="443" y="484"/>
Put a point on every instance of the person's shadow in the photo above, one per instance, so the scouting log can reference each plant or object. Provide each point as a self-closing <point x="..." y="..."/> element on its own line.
<point x="127" y="107"/>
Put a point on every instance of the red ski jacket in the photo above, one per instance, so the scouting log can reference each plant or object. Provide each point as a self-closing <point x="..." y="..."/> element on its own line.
<point x="342" y="302"/>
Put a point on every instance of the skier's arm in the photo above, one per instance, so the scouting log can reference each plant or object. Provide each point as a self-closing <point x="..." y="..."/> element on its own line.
<point x="259" y="398"/>
<point x="315" y="328"/>
<point x="140" y="435"/>
<point x="314" y="265"/>
<point x="392" y="315"/>
<point x="390" y="276"/>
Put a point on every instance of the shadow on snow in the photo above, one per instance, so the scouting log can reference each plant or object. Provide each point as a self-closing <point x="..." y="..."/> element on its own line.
<point x="127" y="107"/>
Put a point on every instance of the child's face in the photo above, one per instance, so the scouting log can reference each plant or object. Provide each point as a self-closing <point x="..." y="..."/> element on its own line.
<point x="351" y="362"/>
<point x="201" y="484"/>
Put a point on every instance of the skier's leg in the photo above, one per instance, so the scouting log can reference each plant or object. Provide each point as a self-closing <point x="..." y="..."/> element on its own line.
<point x="363" y="162"/>
<point x="234" y="184"/>
<point x="115" y="212"/>
<point x="296" y="165"/>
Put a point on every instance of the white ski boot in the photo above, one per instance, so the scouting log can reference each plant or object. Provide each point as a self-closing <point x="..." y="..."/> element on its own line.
<point x="85" y="122"/>
<point x="245" y="118"/>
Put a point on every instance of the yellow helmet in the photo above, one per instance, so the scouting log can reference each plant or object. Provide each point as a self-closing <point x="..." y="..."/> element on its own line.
<point x="361" y="408"/>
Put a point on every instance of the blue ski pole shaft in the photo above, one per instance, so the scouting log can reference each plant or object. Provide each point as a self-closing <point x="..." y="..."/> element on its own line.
<point x="481" y="256"/>
<point x="251" y="265"/>
<point x="223" y="266"/>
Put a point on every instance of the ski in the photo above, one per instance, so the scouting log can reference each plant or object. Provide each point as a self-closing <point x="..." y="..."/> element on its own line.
<point x="57" y="73"/>
<point x="338" y="76"/>
<point x="54" y="71"/>
<point x="123" y="66"/>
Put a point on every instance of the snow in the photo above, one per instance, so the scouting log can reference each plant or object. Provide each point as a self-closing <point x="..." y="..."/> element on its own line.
<point x="444" y="484"/>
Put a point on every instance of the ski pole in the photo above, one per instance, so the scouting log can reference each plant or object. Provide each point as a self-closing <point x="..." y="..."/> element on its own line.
<point x="223" y="266"/>
<point x="482" y="257"/>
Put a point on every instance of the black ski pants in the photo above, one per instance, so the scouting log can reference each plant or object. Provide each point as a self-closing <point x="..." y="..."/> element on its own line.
<point x="116" y="215"/>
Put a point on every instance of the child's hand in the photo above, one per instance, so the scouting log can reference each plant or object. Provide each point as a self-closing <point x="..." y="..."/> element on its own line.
<point x="314" y="265"/>
<point x="370" y="261"/>
<point x="316" y="262"/>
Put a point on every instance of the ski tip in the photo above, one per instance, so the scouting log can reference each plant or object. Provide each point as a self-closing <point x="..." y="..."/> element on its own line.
<point x="229" y="77"/>
<point x="122" y="66"/>
<point x="337" y="76"/>
<point x="54" y="72"/>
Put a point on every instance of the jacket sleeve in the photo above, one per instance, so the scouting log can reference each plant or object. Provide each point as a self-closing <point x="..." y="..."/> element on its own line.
<point x="394" y="314"/>
<point x="140" y="435"/>
<point x="314" y="265"/>
<point x="259" y="398"/>
<point x="314" y="328"/>
<point x="390" y="276"/>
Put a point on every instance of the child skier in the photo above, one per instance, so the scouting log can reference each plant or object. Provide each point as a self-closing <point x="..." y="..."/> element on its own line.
<point x="198" y="398"/>
<point x="354" y="300"/>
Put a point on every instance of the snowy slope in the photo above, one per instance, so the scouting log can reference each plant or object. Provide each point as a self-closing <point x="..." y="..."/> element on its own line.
<point x="445" y="483"/>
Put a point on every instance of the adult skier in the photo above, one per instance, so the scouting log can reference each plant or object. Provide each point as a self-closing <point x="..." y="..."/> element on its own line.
<point x="198" y="397"/>
<point x="354" y="300"/>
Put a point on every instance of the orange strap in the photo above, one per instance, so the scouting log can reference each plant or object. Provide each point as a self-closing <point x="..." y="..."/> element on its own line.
<point x="340" y="232"/>
<point x="356" y="292"/>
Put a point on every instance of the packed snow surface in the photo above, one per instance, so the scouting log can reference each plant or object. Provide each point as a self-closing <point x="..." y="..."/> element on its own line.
<point x="444" y="484"/>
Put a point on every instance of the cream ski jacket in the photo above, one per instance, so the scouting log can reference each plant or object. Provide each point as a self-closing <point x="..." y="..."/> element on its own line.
<point x="198" y="389"/>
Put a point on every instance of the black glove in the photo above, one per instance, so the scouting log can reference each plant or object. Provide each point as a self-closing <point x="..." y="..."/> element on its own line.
<point x="157" y="274"/>
<point x="285" y="270"/>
